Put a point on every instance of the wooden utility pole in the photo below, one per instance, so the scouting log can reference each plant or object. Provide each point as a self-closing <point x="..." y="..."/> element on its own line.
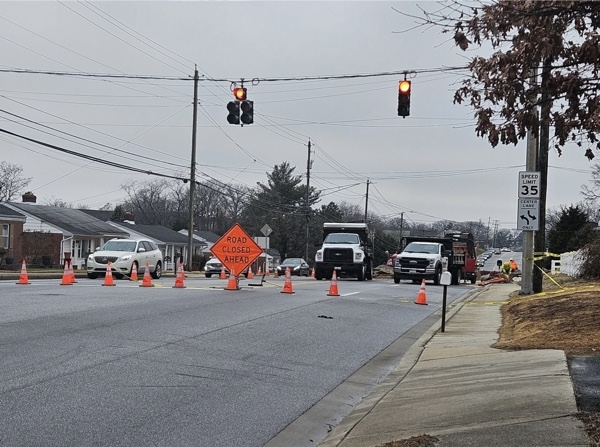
<point x="367" y="200"/>
<point x="531" y="165"/>
<point x="190" y="252"/>
<point x="540" y="235"/>
<point x="308" y="166"/>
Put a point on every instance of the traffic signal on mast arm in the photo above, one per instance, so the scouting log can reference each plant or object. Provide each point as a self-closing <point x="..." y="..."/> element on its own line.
<point x="404" y="98"/>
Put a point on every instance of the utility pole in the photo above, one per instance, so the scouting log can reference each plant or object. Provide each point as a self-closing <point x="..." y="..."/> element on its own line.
<point x="367" y="200"/>
<point x="308" y="166"/>
<point x="193" y="174"/>
<point x="528" y="237"/>
<point x="540" y="235"/>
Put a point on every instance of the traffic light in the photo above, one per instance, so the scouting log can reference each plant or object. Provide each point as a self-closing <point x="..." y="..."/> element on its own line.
<point x="404" y="98"/>
<point x="239" y="93"/>
<point x="247" y="112"/>
<point x="234" y="112"/>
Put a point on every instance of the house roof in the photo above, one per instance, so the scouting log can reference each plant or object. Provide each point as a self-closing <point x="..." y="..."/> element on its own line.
<point x="7" y="213"/>
<point x="208" y="236"/>
<point x="70" y="220"/>
<point x="104" y="216"/>
<point x="156" y="232"/>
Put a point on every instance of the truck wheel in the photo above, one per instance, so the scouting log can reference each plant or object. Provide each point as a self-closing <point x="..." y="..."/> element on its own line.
<point x="438" y="275"/>
<point x="473" y="279"/>
<point x="369" y="275"/>
<point x="396" y="280"/>
<point x="318" y="275"/>
<point x="361" y="273"/>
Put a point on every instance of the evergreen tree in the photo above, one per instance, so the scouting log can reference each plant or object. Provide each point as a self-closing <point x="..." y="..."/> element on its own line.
<point x="571" y="232"/>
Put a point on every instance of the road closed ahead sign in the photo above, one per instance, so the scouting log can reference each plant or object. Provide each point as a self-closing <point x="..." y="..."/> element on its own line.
<point x="236" y="250"/>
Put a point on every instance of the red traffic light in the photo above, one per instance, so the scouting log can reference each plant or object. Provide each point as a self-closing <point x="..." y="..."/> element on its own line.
<point x="404" y="86"/>
<point x="239" y="93"/>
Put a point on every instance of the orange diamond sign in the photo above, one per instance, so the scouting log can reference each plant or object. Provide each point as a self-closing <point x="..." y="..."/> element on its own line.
<point x="236" y="250"/>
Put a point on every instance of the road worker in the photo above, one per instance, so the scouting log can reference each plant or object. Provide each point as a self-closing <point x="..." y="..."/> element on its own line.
<point x="513" y="265"/>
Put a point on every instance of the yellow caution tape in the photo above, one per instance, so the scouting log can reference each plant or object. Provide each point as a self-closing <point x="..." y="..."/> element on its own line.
<point x="548" y="276"/>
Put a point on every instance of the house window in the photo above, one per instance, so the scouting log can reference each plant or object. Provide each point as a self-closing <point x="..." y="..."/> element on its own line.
<point x="5" y="236"/>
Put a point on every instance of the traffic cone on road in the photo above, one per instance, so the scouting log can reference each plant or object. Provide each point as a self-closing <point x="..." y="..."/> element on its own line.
<point x="232" y="284"/>
<point x="222" y="274"/>
<point x="23" y="278"/>
<point x="134" y="275"/>
<point x="66" y="277"/>
<point x="422" y="295"/>
<point x="72" y="272"/>
<point x="312" y="275"/>
<point x="287" y="286"/>
<point x="276" y="274"/>
<point x="179" y="278"/>
<point x="147" y="282"/>
<point x="259" y="271"/>
<point x="108" y="277"/>
<point x="333" y="288"/>
<point x="250" y="275"/>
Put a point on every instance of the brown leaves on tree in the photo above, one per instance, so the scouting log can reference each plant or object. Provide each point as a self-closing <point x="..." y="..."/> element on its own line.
<point x="560" y="35"/>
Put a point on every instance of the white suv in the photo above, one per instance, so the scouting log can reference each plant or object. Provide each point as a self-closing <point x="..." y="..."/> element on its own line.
<point x="123" y="254"/>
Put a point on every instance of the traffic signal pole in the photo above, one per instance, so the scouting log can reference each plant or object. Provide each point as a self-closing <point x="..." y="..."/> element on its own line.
<point x="190" y="252"/>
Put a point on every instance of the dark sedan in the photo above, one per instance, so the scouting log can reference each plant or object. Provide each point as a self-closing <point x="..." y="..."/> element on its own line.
<point x="297" y="266"/>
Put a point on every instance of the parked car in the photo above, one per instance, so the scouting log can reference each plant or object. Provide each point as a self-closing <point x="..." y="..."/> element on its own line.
<point x="123" y="254"/>
<point x="298" y="266"/>
<point x="213" y="267"/>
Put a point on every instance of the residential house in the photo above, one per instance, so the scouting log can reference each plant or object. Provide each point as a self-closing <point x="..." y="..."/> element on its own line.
<point x="208" y="238"/>
<point x="52" y="233"/>
<point x="11" y="231"/>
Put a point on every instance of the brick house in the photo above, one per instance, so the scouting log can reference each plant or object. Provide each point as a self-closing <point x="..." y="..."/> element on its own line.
<point x="11" y="231"/>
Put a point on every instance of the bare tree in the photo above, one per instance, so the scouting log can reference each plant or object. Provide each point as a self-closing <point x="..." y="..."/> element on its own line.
<point x="12" y="181"/>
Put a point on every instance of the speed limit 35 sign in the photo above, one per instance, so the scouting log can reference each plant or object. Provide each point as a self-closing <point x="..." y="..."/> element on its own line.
<point x="529" y="185"/>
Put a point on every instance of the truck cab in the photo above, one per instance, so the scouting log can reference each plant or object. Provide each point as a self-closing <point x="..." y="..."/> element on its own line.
<point x="347" y="250"/>
<point x="420" y="260"/>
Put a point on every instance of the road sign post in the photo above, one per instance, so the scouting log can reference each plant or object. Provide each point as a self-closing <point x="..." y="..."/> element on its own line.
<point x="236" y="250"/>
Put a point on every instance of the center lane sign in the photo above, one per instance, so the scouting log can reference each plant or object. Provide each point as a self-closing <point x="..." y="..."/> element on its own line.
<point x="236" y="250"/>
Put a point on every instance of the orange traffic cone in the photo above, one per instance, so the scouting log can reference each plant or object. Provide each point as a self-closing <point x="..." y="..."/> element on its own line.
<point x="250" y="275"/>
<point x="179" y="277"/>
<point x="23" y="278"/>
<point x="333" y="288"/>
<point x="276" y="274"/>
<point x="222" y="275"/>
<point x="422" y="296"/>
<point x="71" y="272"/>
<point x="134" y="275"/>
<point x="232" y="284"/>
<point x="312" y="275"/>
<point x="287" y="286"/>
<point x="259" y="271"/>
<point x="108" y="277"/>
<point x="66" y="277"/>
<point x="147" y="282"/>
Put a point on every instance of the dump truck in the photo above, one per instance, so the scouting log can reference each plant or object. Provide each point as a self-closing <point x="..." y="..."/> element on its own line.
<point x="427" y="257"/>
<point x="347" y="249"/>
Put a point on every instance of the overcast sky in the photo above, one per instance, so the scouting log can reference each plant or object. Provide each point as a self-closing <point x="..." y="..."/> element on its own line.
<point x="430" y="166"/>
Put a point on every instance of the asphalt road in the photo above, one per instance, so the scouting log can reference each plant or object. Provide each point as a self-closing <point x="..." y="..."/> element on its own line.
<point x="87" y="365"/>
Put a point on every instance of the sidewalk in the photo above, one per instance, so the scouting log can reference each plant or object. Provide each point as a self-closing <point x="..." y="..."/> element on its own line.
<point x="455" y="387"/>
